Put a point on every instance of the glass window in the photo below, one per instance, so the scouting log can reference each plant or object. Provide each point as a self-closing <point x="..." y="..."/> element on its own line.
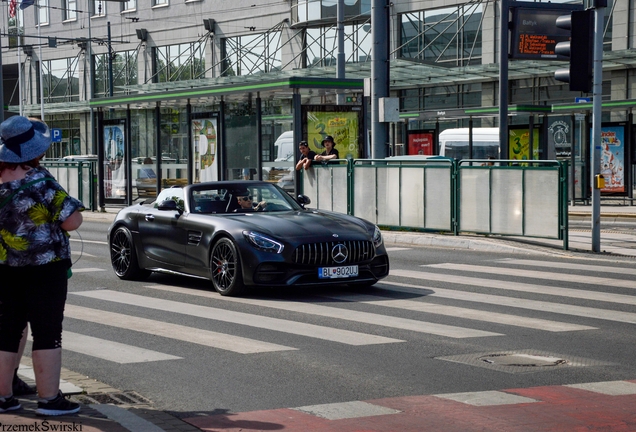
<point x="124" y="73"/>
<point x="70" y="10"/>
<point x="251" y="54"/>
<point x="449" y="35"/>
<point x="61" y="80"/>
<point x="179" y="62"/>
<point x="130" y="5"/>
<point x="98" y="8"/>
<point x="322" y="45"/>
<point x="327" y="9"/>
<point x="43" y="11"/>
<point x="159" y="2"/>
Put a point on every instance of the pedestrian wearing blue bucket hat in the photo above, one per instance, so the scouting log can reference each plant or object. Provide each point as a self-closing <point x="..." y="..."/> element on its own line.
<point x="36" y="214"/>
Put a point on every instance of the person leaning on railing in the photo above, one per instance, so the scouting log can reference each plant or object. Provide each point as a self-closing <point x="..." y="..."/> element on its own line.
<point x="330" y="151"/>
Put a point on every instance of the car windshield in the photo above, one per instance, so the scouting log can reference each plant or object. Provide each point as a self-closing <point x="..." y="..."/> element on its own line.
<point x="240" y="198"/>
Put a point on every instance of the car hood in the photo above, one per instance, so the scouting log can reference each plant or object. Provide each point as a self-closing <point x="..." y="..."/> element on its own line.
<point x="306" y="224"/>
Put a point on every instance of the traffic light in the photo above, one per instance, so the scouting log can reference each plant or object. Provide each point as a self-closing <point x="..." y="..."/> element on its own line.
<point x="580" y="50"/>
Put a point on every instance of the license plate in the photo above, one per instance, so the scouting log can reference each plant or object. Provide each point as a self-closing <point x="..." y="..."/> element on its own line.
<point x="337" y="272"/>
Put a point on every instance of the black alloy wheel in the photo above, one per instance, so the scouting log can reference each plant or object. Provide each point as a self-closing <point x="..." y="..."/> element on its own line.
<point x="123" y="256"/>
<point x="225" y="268"/>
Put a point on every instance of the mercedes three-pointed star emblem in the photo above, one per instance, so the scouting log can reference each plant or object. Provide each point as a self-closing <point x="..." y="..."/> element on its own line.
<point x="339" y="253"/>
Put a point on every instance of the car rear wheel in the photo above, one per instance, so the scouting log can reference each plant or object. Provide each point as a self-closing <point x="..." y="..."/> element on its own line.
<point x="123" y="256"/>
<point x="225" y="268"/>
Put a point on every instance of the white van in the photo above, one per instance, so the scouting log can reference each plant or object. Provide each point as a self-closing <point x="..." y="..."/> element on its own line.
<point x="284" y="157"/>
<point x="284" y="147"/>
<point x="453" y="143"/>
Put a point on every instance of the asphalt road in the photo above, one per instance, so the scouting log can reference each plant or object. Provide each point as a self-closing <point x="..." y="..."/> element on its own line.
<point x="445" y="321"/>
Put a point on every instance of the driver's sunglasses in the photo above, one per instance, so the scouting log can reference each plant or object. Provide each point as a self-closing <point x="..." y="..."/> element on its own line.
<point x="246" y="198"/>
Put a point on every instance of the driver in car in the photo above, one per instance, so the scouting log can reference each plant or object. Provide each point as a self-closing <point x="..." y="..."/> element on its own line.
<point x="246" y="204"/>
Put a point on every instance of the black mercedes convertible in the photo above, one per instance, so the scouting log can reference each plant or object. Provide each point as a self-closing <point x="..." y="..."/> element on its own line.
<point x="245" y="234"/>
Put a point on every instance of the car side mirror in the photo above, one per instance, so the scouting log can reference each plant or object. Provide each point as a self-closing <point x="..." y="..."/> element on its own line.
<point x="303" y="200"/>
<point x="169" y="205"/>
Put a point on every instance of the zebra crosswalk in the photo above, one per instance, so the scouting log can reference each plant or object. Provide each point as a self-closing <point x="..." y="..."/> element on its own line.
<point x="406" y="306"/>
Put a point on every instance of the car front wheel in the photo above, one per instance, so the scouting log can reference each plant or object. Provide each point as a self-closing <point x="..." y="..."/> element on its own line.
<point x="225" y="268"/>
<point x="123" y="256"/>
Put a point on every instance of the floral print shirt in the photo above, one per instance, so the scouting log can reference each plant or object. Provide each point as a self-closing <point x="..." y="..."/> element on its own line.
<point x="30" y="232"/>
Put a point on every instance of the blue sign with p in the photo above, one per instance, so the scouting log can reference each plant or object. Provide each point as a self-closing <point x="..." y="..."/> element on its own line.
<point x="56" y="134"/>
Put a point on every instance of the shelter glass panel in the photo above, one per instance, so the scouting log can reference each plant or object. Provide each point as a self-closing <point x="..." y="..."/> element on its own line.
<point x="437" y="207"/>
<point x="412" y="197"/>
<point x="507" y="201"/>
<point x="474" y="200"/>
<point x="541" y="203"/>
<point x="241" y="145"/>
<point x="388" y="183"/>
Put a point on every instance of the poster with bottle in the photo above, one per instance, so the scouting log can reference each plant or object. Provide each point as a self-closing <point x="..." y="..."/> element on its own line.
<point x="204" y="148"/>
<point x="519" y="144"/>
<point x="343" y="126"/>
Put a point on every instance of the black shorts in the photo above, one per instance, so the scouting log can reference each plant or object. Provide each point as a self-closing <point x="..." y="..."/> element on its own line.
<point x="33" y="294"/>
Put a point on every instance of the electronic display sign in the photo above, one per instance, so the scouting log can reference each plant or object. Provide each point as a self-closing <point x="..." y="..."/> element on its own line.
<point x="535" y="34"/>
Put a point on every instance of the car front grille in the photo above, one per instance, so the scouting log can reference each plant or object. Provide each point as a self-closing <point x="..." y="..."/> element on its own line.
<point x="322" y="253"/>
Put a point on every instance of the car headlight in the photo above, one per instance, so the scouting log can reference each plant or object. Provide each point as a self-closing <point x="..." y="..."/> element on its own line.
<point x="377" y="237"/>
<point x="262" y="242"/>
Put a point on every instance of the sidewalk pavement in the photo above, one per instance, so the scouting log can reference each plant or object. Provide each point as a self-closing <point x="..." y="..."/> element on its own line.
<point x="615" y="242"/>
<point x="111" y="410"/>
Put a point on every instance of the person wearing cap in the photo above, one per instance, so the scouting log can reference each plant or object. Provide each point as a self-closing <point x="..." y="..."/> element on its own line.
<point x="306" y="156"/>
<point x="246" y="204"/>
<point x="36" y="214"/>
<point x="330" y="152"/>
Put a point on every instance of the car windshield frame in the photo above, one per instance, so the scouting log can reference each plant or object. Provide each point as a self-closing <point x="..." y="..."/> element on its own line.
<point x="221" y="198"/>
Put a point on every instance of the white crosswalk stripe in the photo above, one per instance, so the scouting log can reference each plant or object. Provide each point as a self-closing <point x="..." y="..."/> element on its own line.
<point x="183" y="333"/>
<point x="259" y="321"/>
<point x="558" y="308"/>
<point x="87" y="270"/>
<point x="520" y="273"/>
<point x="571" y="266"/>
<point x="110" y="350"/>
<point x="473" y="314"/>
<point x="517" y="286"/>
<point x="351" y="315"/>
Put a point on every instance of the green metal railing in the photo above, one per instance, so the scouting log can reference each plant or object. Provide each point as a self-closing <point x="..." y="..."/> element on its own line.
<point x="78" y="178"/>
<point x="491" y="197"/>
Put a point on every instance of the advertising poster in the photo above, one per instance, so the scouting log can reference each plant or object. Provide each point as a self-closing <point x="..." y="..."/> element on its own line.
<point x="204" y="150"/>
<point x="613" y="158"/>
<point x="519" y="144"/>
<point x="114" y="166"/>
<point x="342" y="126"/>
<point x="420" y="143"/>
<point x="560" y="138"/>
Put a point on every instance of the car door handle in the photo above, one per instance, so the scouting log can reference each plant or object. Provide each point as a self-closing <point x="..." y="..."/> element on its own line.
<point x="150" y="217"/>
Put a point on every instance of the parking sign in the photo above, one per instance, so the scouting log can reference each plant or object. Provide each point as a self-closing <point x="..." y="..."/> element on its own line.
<point x="56" y="134"/>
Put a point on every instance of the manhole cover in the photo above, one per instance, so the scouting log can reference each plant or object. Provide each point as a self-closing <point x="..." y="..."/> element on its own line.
<point x="522" y="360"/>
